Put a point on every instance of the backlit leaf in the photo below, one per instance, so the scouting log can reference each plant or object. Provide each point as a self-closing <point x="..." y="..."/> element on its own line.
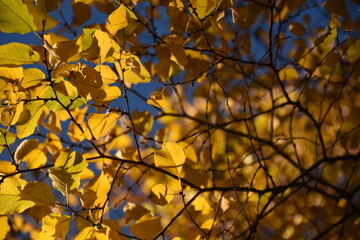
<point x="15" y="17"/>
<point x="134" y="211"/>
<point x="65" y="174"/>
<point x="10" y="201"/>
<point x="100" y="123"/>
<point x="17" y="54"/>
<point x="24" y="148"/>
<point x="55" y="226"/>
<point x="6" y="168"/>
<point x="159" y="194"/>
<point x="5" y="228"/>
<point x="95" y="192"/>
<point x="170" y="157"/>
<point x="32" y="77"/>
<point x="147" y="227"/>
<point x="38" y="192"/>
<point x="117" y="20"/>
<point x="11" y="73"/>
<point x="133" y="70"/>
<point x="29" y="118"/>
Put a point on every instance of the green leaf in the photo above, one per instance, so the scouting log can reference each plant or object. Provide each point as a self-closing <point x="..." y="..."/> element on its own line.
<point x="67" y="170"/>
<point x="15" y="17"/>
<point x="29" y="119"/>
<point x="17" y="54"/>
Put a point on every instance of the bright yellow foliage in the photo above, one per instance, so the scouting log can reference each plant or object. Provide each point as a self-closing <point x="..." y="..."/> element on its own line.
<point x="179" y="119"/>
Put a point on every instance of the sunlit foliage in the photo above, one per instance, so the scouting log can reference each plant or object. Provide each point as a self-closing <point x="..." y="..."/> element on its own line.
<point x="180" y="119"/>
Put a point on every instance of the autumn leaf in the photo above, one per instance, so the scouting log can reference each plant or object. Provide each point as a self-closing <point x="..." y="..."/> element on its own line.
<point x="100" y="123"/>
<point x="5" y="228"/>
<point x="170" y="157"/>
<point x="10" y="201"/>
<point x="17" y="54"/>
<point x="54" y="226"/>
<point x="15" y="17"/>
<point x="94" y="194"/>
<point x="29" y="118"/>
<point x="159" y="194"/>
<point x="147" y="227"/>
<point x="199" y="119"/>
<point x="119" y="19"/>
<point x="65" y="174"/>
<point x="16" y="195"/>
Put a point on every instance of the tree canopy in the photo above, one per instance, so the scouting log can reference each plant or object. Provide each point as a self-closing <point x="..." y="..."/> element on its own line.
<point x="180" y="119"/>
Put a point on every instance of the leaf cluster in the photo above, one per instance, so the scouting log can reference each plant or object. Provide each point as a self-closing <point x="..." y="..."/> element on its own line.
<point x="180" y="119"/>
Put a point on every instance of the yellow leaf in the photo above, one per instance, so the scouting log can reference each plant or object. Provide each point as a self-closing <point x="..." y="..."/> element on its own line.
<point x="87" y="174"/>
<point x="202" y="7"/>
<point x="85" y="233"/>
<point x="133" y="70"/>
<point x="86" y="80"/>
<point x="108" y="76"/>
<point x="24" y="148"/>
<point x="207" y="224"/>
<point x="37" y="157"/>
<point x="5" y="228"/>
<point x="201" y="204"/>
<point x="177" y="50"/>
<point x="288" y="74"/>
<point x="114" y="228"/>
<point x="117" y="20"/>
<point x="10" y="201"/>
<point x="158" y="99"/>
<point x="15" y="17"/>
<point x="159" y="195"/>
<point x="353" y="51"/>
<point x="107" y="46"/>
<point x="6" y="168"/>
<point x="147" y="227"/>
<point x="143" y="121"/>
<point x="40" y="16"/>
<point x="111" y="93"/>
<point x="95" y="192"/>
<point x="6" y="137"/>
<point x="65" y="88"/>
<point x="170" y="157"/>
<point x="100" y="124"/>
<point x="55" y="226"/>
<point x="38" y="192"/>
<point x="134" y="211"/>
<point x="29" y="118"/>
<point x="11" y="73"/>
<point x="17" y="54"/>
<point x="65" y="174"/>
<point x="56" y="47"/>
<point x="38" y="212"/>
<point x="11" y="114"/>
<point x="53" y="143"/>
<point x="32" y="77"/>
